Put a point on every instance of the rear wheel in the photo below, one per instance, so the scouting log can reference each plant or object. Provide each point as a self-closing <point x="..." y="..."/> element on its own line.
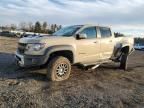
<point x="58" y="69"/>
<point x="124" y="61"/>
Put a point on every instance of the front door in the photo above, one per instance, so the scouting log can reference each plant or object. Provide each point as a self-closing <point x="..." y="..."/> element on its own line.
<point x="88" y="50"/>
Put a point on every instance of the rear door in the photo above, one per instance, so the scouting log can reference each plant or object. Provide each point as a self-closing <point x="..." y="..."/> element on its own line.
<point x="106" y="43"/>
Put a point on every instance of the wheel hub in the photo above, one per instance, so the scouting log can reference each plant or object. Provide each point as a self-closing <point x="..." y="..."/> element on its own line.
<point x="62" y="69"/>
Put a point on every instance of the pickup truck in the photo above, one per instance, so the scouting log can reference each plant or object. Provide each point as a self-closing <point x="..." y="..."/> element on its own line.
<point x="86" y="45"/>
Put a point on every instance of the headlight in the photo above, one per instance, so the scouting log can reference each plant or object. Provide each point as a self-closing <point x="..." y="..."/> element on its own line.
<point x="35" y="46"/>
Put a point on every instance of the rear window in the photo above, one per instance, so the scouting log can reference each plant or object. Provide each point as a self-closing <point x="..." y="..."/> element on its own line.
<point x="105" y="32"/>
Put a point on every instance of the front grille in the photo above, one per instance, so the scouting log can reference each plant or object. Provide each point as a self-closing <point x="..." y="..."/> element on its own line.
<point x="21" y="48"/>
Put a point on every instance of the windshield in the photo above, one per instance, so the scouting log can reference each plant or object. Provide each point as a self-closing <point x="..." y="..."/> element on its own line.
<point x="67" y="31"/>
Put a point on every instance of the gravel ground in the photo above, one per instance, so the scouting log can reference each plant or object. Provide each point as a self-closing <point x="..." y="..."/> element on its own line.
<point x="104" y="87"/>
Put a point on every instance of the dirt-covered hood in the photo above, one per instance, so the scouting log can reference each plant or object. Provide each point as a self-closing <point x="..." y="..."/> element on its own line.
<point x="47" y="39"/>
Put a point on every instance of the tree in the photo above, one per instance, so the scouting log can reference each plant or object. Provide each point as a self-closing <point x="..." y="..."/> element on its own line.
<point x="59" y="27"/>
<point x="37" y="27"/>
<point x="55" y="27"/>
<point x="44" y="27"/>
<point x="22" y="26"/>
<point x="30" y="27"/>
<point x="13" y="27"/>
<point x="52" y="28"/>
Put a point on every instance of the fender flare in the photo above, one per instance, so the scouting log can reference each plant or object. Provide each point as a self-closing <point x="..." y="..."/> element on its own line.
<point x="119" y="49"/>
<point x="56" y="48"/>
<point x="126" y="45"/>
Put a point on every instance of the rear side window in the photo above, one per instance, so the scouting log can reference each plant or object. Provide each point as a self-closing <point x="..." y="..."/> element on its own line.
<point x="90" y="32"/>
<point x="105" y="32"/>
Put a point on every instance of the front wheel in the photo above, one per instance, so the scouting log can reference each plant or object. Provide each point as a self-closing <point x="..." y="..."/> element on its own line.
<point x="58" y="69"/>
<point x="124" y="62"/>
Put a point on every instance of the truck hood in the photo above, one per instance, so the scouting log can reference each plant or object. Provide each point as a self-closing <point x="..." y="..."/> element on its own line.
<point x="47" y="39"/>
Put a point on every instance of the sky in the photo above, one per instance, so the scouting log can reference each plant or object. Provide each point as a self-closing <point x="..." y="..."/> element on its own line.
<point x="126" y="16"/>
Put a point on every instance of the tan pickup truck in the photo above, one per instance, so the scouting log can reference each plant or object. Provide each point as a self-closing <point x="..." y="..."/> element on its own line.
<point x="86" y="45"/>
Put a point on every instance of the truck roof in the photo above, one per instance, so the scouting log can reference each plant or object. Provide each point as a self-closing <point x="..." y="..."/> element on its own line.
<point x="92" y="25"/>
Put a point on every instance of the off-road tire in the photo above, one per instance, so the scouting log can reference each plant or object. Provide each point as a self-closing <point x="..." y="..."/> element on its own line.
<point x="124" y="61"/>
<point x="53" y="65"/>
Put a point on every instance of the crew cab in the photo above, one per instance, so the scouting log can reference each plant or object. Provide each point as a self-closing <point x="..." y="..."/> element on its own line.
<point x="86" y="45"/>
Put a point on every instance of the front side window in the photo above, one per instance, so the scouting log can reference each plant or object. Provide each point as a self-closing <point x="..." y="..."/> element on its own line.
<point x="105" y="32"/>
<point x="67" y="31"/>
<point x="90" y="32"/>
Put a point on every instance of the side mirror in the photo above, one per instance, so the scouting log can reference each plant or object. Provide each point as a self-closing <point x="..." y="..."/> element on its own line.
<point x="81" y="36"/>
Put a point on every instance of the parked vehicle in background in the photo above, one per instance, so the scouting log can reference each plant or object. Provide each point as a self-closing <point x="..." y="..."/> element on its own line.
<point x="7" y="33"/>
<point x="27" y="35"/>
<point x="86" y="45"/>
<point x="17" y="33"/>
<point x="139" y="46"/>
<point x="31" y="34"/>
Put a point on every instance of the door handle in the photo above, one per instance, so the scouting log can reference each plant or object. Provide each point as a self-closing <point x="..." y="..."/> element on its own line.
<point x="95" y="42"/>
<point x="110" y="41"/>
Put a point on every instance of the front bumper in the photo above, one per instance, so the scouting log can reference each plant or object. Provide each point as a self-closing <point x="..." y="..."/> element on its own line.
<point x="29" y="60"/>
